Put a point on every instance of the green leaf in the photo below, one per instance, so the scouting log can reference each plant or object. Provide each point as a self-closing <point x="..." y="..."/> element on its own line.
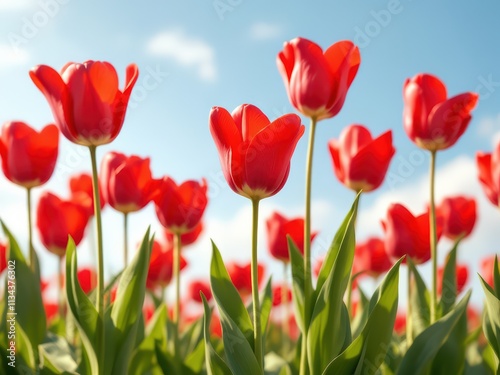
<point x="144" y="356"/>
<point x="329" y="331"/>
<point x="214" y="363"/>
<point x="419" y="357"/>
<point x="449" y="281"/>
<point x="298" y="284"/>
<point x="275" y="365"/>
<point x="362" y="313"/>
<point x="491" y="320"/>
<point x="126" y="311"/>
<point x="419" y="300"/>
<point x="84" y="313"/>
<point x="57" y="356"/>
<point x="227" y="296"/>
<point x="496" y="277"/>
<point x="22" y="288"/>
<point x="266" y="303"/>
<point x="368" y="350"/>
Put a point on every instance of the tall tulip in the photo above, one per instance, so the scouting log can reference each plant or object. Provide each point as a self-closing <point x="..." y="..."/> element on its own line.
<point x="488" y="165"/>
<point x="360" y="162"/>
<point x="28" y="160"/>
<point x="179" y="209"/>
<point x="434" y="122"/>
<point x="128" y="186"/>
<point x="317" y="83"/>
<point x="80" y="186"/>
<point x="89" y="109"/>
<point x="255" y="157"/>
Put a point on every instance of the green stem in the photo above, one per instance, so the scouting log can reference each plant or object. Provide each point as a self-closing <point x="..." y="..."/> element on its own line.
<point x="257" y="334"/>
<point x="60" y="300"/>
<point x="125" y="239"/>
<point x="30" y="231"/>
<point x="100" y="255"/>
<point x="433" y="238"/>
<point x="308" y="289"/>
<point x="285" y="311"/>
<point x="177" y="278"/>
<point x="409" y="326"/>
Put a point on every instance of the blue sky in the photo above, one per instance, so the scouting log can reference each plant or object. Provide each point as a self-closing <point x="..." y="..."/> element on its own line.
<point x="193" y="55"/>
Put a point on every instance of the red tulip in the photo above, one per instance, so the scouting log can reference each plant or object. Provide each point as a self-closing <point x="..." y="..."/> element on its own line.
<point x="359" y="161"/>
<point x="127" y="182"/>
<point x="87" y="279"/>
<point x="278" y="295"/>
<point x="57" y="219"/>
<point x="215" y="326"/>
<point x="278" y="227"/>
<point x="80" y="186"/>
<point x="489" y="173"/>
<point x="406" y="234"/>
<point x="370" y="256"/>
<point x="487" y="266"/>
<point x="161" y="266"/>
<point x="431" y="120"/>
<point x="241" y="276"/>
<point x="28" y="156"/>
<point x="462" y="274"/>
<point x="3" y="257"/>
<point x="317" y="82"/>
<point x="180" y="207"/>
<point x="187" y="238"/>
<point x="198" y="286"/>
<point x="86" y="102"/>
<point x="400" y="323"/>
<point x="254" y="152"/>
<point x="458" y="215"/>
<point x="51" y="310"/>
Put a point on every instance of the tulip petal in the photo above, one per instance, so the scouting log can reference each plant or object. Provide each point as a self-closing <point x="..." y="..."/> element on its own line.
<point x="249" y="120"/>
<point x="484" y="164"/>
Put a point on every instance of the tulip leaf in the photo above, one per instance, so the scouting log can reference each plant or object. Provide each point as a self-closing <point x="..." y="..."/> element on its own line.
<point x="419" y="301"/>
<point x="275" y="365"/>
<point x="449" y="281"/>
<point x="419" y="357"/>
<point x="21" y="282"/>
<point x="368" y="350"/>
<point x="84" y="313"/>
<point x="227" y="296"/>
<point x="126" y="311"/>
<point x="491" y="319"/>
<point x="298" y="284"/>
<point x="362" y="313"/>
<point x="144" y="356"/>
<point x="266" y="303"/>
<point x="333" y="252"/>
<point x="214" y="363"/>
<point x="329" y="329"/>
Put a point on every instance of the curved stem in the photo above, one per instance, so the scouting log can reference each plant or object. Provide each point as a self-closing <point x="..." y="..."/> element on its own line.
<point x="307" y="249"/>
<point x="125" y="240"/>
<point x="177" y="278"/>
<point x="100" y="254"/>
<point x="433" y="238"/>
<point x="30" y="231"/>
<point x="257" y="333"/>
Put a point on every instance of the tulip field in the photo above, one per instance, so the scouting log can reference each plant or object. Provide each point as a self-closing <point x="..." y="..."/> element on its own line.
<point x="317" y="320"/>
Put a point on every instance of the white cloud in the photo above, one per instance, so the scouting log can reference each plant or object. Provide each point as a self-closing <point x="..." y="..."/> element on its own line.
<point x="12" y="56"/>
<point x="489" y="128"/>
<point x="11" y="5"/>
<point x="265" y="31"/>
<point x="185" y="50"/>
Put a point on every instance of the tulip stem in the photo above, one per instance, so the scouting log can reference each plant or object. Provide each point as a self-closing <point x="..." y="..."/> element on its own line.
<point x="308" y="289"/>
<point x="100" y="255"/>
<point x="285" y="311"/>
<point x="409" y="326"/>
<point x="30" y="232"/>
<point x="257" y="333"/>
<point x="125" y="239"/>
<point x="433" y="238"/>
<point x="177" y="277"/>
